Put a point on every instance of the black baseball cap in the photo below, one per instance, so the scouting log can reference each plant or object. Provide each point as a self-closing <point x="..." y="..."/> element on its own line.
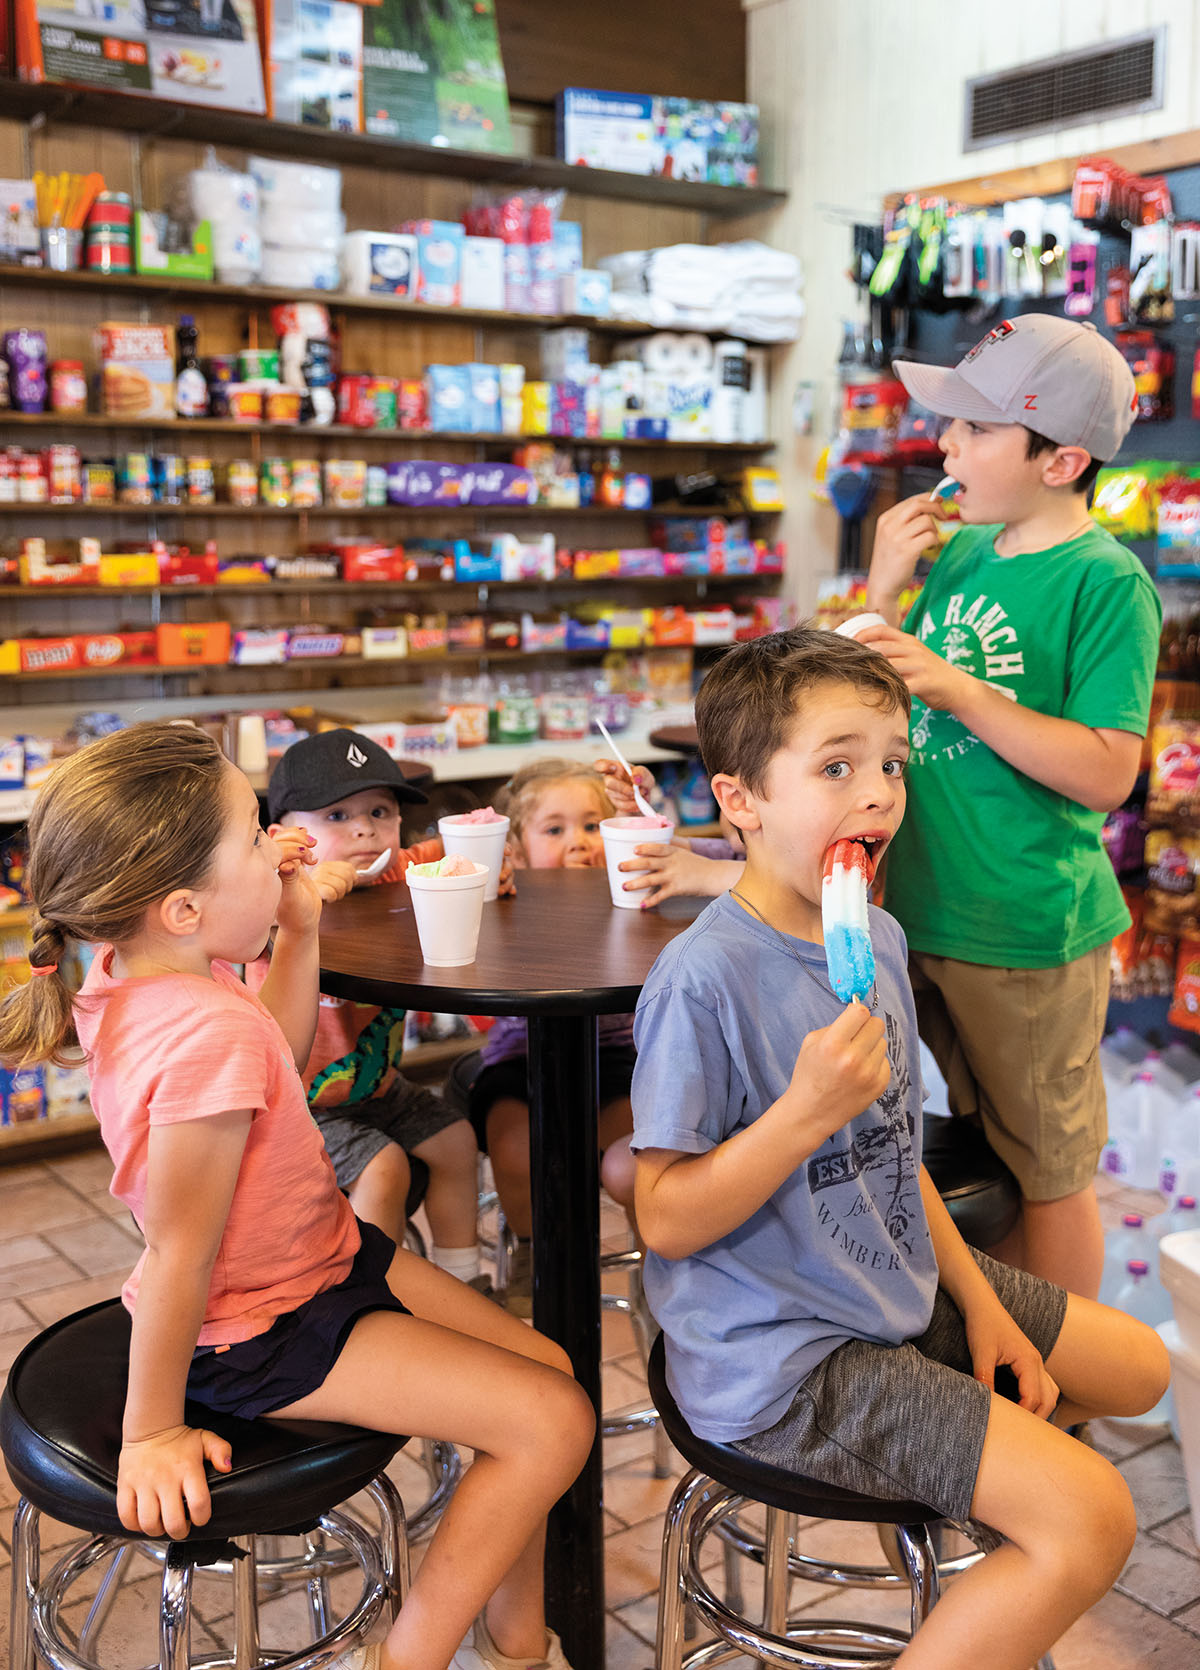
<point x="328" y="767"/>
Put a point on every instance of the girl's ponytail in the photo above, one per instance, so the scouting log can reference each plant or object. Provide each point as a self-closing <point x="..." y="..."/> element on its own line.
<point x="36" y="1021"/>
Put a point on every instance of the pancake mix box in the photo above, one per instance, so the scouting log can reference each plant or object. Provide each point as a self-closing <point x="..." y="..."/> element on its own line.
<point x="137" y="370"/>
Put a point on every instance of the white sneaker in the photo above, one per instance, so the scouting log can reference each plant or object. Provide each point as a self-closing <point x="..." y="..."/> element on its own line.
<point x="358" y="1658"/>
<point x="479" y="1652"/>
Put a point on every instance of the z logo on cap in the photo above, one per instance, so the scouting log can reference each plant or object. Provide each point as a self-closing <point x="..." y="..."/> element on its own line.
<point x="1004" y="329"/>
<point x="355" y="755"/>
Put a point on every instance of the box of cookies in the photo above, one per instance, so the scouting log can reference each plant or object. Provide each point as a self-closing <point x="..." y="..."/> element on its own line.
<point x="137" y="370"/>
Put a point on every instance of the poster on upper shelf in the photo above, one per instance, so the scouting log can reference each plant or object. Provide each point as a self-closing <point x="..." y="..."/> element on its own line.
<point x="433" y="75"/>
<point x="191" y="51"/>
<point x="312" y="50"/>
<point x="675" y="138"/>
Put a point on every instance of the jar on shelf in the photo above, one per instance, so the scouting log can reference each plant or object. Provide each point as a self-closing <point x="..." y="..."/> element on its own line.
<point x="467" y="701"/>
<point x="514" y="716"/>
<point x="609" y="704"/>
<point x="566" y="708"/>
<point x="68" y="386"/>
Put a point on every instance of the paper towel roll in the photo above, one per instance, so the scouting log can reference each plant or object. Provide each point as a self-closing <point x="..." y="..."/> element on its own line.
<point x="729" y="378"/>
<point x="694" y="353"/>
<point x="660" y="354"/>
<point x="754" y="406"/>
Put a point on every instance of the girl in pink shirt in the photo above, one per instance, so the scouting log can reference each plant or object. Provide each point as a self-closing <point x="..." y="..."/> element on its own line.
<point x="259" y="1292"/>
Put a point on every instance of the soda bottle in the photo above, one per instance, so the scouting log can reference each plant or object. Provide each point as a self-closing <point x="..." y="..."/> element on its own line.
<point x="191" y="386"/>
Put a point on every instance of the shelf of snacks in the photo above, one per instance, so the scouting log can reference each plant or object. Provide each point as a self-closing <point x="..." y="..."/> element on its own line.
<point x="342" y="431"/>
<point x="151" y="118"/>
<point x="97" y="511"/>
<point x="56" y="594"/>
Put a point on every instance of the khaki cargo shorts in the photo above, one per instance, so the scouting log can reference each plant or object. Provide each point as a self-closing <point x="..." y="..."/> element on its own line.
<point x="1020" y="1049"/>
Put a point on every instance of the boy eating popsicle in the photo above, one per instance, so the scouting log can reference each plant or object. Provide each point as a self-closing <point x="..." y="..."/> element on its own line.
<point x="820" y="1310"/>
<point x="1030" y="654"/>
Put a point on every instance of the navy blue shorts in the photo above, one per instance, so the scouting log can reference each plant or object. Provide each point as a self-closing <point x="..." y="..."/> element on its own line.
<point x="298" y="1350"/>
<point x="510" y="1078"/>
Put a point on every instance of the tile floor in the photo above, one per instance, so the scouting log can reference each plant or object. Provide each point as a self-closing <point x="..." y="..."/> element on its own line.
<point x="65" y="1243"/>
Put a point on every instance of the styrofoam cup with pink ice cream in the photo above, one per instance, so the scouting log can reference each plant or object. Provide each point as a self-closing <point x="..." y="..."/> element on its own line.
<point x="622" y="837"/>
<point x="447" y="901"/>
<point x="480" y="835"/>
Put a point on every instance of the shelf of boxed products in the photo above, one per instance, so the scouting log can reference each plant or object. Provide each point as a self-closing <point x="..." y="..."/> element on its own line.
<point x="342" y="431"/>
<point x="156" y="118"/>
<point x="548" y="590"/>
<point x="147" y="286"/>
<point x="99" y="511"/>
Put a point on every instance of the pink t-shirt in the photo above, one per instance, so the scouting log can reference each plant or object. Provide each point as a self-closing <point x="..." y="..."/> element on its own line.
<point x="164" y="1048"/>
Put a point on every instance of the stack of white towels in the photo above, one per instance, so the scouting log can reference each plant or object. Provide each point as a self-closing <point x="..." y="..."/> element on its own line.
<point x="746" y="288"/>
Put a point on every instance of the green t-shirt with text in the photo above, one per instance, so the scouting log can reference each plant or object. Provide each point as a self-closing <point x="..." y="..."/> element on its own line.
<point x="988" y="865"/>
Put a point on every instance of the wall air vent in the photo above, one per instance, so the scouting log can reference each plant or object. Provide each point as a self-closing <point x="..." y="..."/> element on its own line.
<point x="1120" y="78"/>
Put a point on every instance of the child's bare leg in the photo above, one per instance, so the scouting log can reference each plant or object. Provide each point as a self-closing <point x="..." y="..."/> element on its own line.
<point x="1062" y="1240"/>
<point x="617" y="1168"/>
<point x="480" y="1378"/>
<point x="380" y="1191"/>
<point x="1066" y="1511"/>
<point x="452" y="1197"/>
<point x="508" y="1150"/>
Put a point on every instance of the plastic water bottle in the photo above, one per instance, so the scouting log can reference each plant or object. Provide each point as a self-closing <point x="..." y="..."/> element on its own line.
<point x="1163" y="1075"/>
<point x="1121" y="1054"/>
<point x="1182" y="1215"/>
<point x="1143" y="1297"/>
<point x="1129" y="1241"/>
<point x="1179" y="1147"/>
<point x="1184" y="1060"/>
<point x="1136" y="1117"/>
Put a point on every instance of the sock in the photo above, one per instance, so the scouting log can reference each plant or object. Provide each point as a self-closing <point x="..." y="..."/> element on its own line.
<point x="462" y="1262"/>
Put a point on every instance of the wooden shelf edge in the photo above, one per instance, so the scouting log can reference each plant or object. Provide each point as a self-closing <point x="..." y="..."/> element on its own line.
<point x="25" y="1141"/>
<point x="156" y="118"/>
<point x="297" y="588"/>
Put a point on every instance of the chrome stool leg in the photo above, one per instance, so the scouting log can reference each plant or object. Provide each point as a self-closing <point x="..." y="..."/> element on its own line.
<point x="776" y="1575"/>
<point x="26" y="1554"/>
<point x="687" y="1500"/>
<point x="245" y="1606"/>
<point x="175" y="1611"/>
<point x="102" y="1605"/>
<point x="920" y="1564"/>
<point x="393" y="1539"/>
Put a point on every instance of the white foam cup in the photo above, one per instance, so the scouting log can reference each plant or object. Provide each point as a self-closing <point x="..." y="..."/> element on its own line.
<point x="858" y="623"/>
<point x="483" y="842"/>
<point x="448" y="910"/>
<point x="621" y="842"/>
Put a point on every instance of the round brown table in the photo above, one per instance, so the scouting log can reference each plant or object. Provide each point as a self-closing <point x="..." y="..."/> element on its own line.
<point x="679" y="739"/>
<point x="560" y="954"/>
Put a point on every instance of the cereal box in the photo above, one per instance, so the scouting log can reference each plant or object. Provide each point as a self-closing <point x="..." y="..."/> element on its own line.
<point x="137" y="370"/>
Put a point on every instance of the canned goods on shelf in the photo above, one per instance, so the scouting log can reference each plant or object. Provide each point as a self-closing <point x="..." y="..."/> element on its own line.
<point x="168" y="477"/>
<point x="275" y="482"/>
<point x="33" y="486"/>
<point x="377" y="485"/>
<point x="133" y="478"/>
<point x="64" y="472"/>
<point x="241" y="481"/>
<point x="68" y="386"/>
<point x="258" y="365"/>
<point x="245" y="403"/>
<point x="306" y="483"/>
<point x="201" y="484"/>
<point x="110" y="208"/>
<point x="99" y="481"/>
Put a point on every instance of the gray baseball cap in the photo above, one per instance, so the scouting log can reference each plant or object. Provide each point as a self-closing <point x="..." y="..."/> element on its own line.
<point x="1059" y="377"/>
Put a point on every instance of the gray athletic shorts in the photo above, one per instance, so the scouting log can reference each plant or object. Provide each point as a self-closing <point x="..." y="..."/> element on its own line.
<point x="354" y="1132"/>
<point x="907" y="1422"/>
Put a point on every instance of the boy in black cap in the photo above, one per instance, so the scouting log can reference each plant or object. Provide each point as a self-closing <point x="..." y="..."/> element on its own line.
<point x="346" y="791"/>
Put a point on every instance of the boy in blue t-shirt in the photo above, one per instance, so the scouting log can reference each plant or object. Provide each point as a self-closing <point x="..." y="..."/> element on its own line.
<point x="820" y="1309"/>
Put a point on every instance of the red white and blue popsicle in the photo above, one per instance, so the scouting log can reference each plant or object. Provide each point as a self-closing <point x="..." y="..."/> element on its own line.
<point x="844" y="884"/>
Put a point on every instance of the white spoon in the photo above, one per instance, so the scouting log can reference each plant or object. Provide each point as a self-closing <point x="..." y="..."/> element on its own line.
<point x="639" y="798"/>
<point x="378" y="864"/>
<point x="946" y="481"/>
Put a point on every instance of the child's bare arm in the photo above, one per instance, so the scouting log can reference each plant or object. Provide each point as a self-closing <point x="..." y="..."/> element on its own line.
<point x="192" y="1174"/>
<point x="1096" y="767"/>
<point x="687" y="1201"/>
<point x="666" y="871"/>
<point x="992" y="1335"/>
<point x="290" y="988"/>
<point x="901" y="534"/>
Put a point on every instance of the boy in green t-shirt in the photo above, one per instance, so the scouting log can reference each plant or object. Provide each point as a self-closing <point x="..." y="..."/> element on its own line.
<point x="1030" y="653"/>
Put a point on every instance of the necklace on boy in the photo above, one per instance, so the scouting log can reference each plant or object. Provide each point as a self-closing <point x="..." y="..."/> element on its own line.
<point x="791" y="949"/>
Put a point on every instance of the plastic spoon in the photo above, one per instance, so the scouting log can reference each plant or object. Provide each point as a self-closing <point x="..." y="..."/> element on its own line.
<point x="639" y="799"/>
<point x="378" y="864"/>
<point x="946" y="481"/>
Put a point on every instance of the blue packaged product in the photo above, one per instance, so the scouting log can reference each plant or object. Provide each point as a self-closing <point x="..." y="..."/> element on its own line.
<point x="397" y="481"/>
<point x="439" y="261"/>
<point x="476" y="562"/>
<point x="449" y="397"/>
<point x="484" y="398"/>
<point x="22" y="1095"/>
<point x="568" y="246"/>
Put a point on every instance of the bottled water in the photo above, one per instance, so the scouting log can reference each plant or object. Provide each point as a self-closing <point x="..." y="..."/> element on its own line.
<point x="1183" y="1215"/>
<point x="1184" y="1060"/>
<point x="1163" y="1075"/>
<point x="1121" y="1054"/>
<point x="1179" y="1147"/>
<point x="1142" y="1296"/>
<point x="1129" y="1241"/>
<point x="1137" y="1117"/>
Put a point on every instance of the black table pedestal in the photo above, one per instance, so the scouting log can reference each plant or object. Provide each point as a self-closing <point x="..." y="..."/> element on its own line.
<point x="566" y="1304"/>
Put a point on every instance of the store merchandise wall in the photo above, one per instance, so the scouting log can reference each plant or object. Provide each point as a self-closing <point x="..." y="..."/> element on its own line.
<point x="862" y="100"/>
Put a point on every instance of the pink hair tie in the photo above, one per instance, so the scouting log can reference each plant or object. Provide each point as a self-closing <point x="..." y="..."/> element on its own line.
<point x="44" y="968"/>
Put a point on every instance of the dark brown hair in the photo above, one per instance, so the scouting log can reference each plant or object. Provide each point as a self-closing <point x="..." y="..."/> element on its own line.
<point x="117" y="827"/>
<point x="747" y="704"/>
